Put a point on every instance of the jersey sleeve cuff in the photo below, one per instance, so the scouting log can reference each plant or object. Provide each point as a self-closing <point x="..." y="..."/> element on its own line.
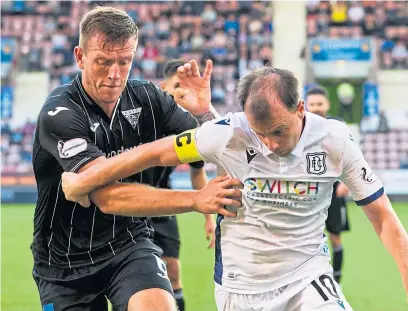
<point x="371" y="198"/>
<point x="76" y="166"/>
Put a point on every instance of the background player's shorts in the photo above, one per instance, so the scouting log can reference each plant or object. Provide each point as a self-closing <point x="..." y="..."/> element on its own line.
<point x="337" y="218"/>
<point x="84" y="289"/>
<point x="166" y="235"/>
<point x="322" y="294"/>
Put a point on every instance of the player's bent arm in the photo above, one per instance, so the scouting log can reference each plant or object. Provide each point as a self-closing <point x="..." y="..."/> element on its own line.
<point x="391" y="232"/>
<point x="158" y="153"/>
<point x="198" y="178"/>
<point x="342" y="190"/>
<point x="142" y="200"/>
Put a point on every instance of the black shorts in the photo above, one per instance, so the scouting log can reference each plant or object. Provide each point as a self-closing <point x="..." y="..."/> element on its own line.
<point x="337" y="218"/>
<point x="85" y="289"/>
<point x="166" y="235"/>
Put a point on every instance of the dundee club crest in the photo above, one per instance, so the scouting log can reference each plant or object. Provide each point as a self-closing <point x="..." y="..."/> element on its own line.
<point x="316" y="163"/>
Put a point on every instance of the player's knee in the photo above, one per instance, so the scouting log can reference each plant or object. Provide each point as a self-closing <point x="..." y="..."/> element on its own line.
<point x="335" y="240"/>
<point x="173" y="271"/>
<point x="152" y="299"/>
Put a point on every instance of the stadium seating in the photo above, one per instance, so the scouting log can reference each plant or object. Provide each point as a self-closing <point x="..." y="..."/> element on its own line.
<point x="387" y="21"/>
<point x="236" y="35"/>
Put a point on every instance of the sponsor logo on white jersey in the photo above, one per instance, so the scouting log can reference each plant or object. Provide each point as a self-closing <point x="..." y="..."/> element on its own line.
<point x="280" y="192"/>
<point x="71" y="147"/>
<point x="56" y="111"/>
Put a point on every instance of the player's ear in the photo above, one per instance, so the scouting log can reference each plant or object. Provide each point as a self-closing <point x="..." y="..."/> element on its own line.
<point x="301" y="109"/>
<point x="163" y="85"/>
<point x="79" y="55"/>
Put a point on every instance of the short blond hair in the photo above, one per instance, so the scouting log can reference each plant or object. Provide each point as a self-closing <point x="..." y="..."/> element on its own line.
<point x="114" y="24"/>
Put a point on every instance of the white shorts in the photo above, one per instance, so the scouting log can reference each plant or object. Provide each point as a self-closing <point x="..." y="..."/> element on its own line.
<point x="322" y="294"/>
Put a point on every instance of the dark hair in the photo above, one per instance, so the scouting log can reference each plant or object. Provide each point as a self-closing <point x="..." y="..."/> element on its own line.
<point x="318" y="90"/>
<point x="170" y="67"/>
<point x="115" y="24"/>
<point x="266" y="82"/>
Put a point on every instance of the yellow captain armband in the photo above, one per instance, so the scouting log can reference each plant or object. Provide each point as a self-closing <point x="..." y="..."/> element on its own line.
<point x="185" y="147"/>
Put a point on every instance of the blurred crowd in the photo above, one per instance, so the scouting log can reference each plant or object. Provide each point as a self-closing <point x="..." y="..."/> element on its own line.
<point x="387" y="21"/>
<point x="236" y="35"/>
<point x="16" y="147"/>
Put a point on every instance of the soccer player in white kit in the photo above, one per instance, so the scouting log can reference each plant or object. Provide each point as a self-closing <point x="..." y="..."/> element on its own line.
<point x="273" y="256"/>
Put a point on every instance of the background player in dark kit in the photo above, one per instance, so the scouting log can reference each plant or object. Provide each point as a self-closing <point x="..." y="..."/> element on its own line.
<point x="166" y="232"/>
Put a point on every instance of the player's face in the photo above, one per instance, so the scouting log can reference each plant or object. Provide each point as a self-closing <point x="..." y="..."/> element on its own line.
<point x="105" y="67"/>
<point x="281" y="132"/>
<point x="318" y="104"/>
<point x="171" y="84"/>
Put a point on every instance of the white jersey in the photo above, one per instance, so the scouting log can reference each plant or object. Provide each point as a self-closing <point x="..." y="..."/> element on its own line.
<point x="278" y="236"/>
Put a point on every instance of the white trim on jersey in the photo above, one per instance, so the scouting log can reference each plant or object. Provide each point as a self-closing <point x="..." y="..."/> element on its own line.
<point x="106" y="132"/>
<point x="70" y="234"/>
<point x="151" y="107"/>
<point x="83" y="92"/>
<point x="114" y="112"/>
<point x="134" y="107"/>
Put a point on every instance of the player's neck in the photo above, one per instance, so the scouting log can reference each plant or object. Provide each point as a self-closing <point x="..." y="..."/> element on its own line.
<point x="108" y="108"/>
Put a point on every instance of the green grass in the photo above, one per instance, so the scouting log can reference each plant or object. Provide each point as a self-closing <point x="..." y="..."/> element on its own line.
<point x="371" y="281"/>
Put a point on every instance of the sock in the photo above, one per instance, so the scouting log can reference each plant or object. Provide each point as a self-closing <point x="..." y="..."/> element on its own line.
<point x="337" y="262"/>
<point x="178" y="294"/>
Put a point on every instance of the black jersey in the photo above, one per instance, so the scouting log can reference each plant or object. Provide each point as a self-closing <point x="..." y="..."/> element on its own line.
<point x="72" y="130"/>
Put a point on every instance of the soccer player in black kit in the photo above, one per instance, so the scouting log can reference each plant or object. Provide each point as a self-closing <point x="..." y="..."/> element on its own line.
<point x="84" y="256"/>
<point x="317" y="102"/>
<point x="166" y="232"/>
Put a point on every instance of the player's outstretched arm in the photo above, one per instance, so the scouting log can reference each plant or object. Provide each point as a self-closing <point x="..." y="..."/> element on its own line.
<point x="391" y="232"/>
<point x="158" y="153"/>
<point x="141" y="200"/>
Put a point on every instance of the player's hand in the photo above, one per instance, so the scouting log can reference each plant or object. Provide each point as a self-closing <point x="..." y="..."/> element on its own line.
<point x="194" y="92"/>
<point x="71" y="187"/>
<point x="217" y="193"/>
<point x="210" y="230"/>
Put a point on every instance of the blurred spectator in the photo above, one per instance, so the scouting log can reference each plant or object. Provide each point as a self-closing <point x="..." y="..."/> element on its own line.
<point x="209" y="14"/>
<point x="385" y="20"/>
<point x="356" y="13"/>
<point x="339" y="12"/>
<point x="237" y="35"/>
<point x="400" y="55"/>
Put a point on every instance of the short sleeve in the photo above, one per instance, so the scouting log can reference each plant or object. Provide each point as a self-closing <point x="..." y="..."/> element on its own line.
<point x="211" y="139"/>
<point x="63" y="132"/>
<point x="363" y="184"/>
<point x="204" y="143"/>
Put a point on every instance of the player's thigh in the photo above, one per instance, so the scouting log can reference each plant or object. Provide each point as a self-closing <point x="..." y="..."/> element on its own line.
<point x="153" y="299"/>
<point x="334" y="222"/>
<point x="323" y="294"/>
<point x="139" y="270"/>
<point x="167" y="236"/>
<point x="70" y="295"/>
